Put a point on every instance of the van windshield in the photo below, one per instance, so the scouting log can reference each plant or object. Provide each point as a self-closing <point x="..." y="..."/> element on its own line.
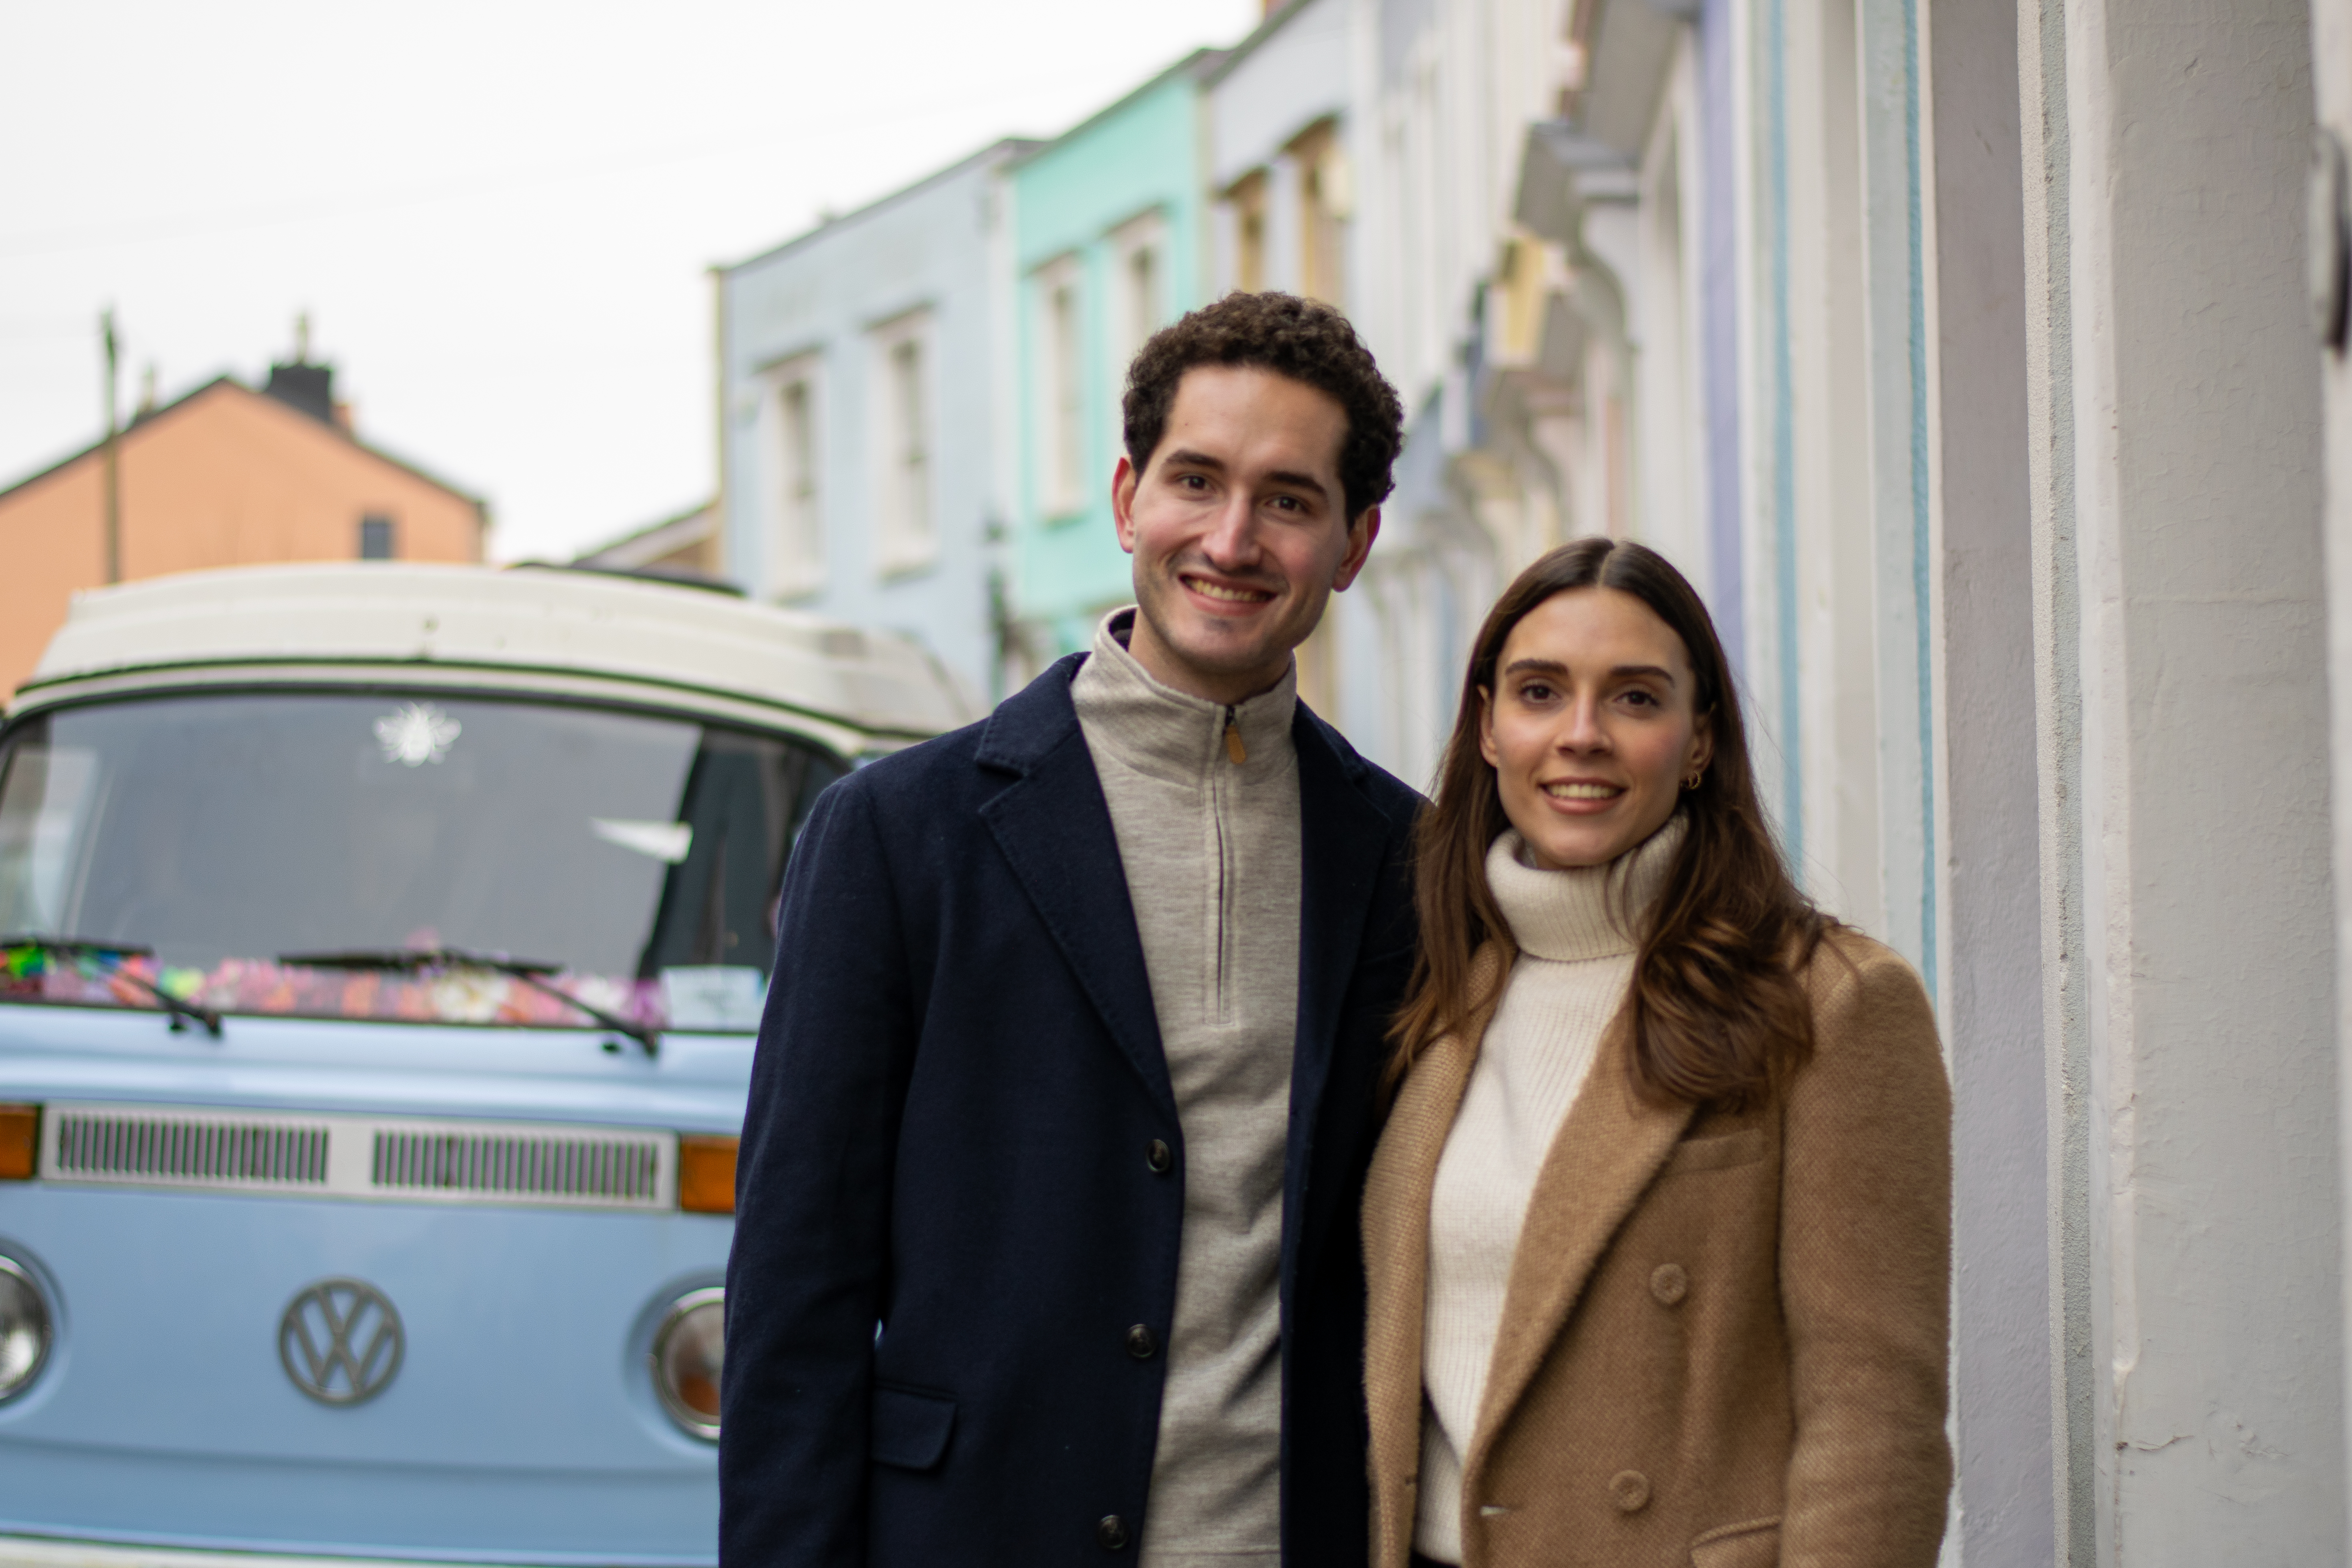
<point x="213" y="837"/>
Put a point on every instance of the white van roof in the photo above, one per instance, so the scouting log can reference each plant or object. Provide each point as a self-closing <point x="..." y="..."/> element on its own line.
<point x="567" y="632"/>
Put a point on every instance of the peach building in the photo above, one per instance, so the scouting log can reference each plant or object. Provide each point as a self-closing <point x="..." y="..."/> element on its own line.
<point x="223" y="477"/>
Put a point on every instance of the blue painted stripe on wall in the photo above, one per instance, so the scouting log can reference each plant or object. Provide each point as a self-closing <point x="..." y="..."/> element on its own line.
<point x="1919" y="497"/>
<point x="1784" y="444"/>
<point x="1720" y="333"/>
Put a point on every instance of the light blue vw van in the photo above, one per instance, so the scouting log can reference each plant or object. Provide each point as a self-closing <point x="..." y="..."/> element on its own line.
<point x="380" y="949"/>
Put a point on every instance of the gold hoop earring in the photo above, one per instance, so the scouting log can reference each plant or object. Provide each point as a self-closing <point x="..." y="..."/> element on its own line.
<point x="1693" y="781"/>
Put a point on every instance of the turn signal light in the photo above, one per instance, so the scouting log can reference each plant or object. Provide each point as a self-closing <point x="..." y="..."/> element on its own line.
<point x="20" y="1129"/>
<point x="706" y="1173"/>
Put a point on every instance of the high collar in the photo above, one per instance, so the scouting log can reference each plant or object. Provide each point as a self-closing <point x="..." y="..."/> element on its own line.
<point x="1160" y="731"/>
<point x="1591" y="911"/>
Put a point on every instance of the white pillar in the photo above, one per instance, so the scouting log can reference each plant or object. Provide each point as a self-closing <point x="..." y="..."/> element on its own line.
<point x="2331" y="29"/>
<point x="2180" y="667"/>
<point x="1988" y="879"/>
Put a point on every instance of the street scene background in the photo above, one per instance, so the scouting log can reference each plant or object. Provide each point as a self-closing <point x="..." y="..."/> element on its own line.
<point x="1982" y="366"/>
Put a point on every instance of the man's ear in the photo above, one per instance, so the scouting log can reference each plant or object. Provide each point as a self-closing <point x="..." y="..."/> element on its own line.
<point x="1123" y="480"/>
<point x="1360" y="534"/>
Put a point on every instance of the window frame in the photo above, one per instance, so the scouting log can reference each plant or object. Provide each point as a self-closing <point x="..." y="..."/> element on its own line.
<point x="1059" y="390"/>
<point x="792" y="476"/>
<point x="903" y="442"/>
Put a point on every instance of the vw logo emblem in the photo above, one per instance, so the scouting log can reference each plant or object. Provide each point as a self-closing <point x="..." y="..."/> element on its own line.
<point x="339" y="1341"/>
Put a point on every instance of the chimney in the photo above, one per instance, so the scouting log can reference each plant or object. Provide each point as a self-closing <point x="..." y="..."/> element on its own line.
<point x="302" y="384"/>
<point x="308" y="387"/>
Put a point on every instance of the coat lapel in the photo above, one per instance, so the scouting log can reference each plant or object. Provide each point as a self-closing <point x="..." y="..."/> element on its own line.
<point x="1396" y="1267"/>
<point x="1053" y="826"/>
<point x="1599" y="1162"/>
<point x="1342" y="839"/>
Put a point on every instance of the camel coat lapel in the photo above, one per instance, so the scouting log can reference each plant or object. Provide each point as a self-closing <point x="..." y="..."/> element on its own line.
<point x="1600" y="1161"/>
<point x="1598" y="1164"/>
<point x="1396" y="1260"/>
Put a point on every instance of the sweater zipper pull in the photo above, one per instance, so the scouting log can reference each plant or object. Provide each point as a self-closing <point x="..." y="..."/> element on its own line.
<point x="1233" y="747"/>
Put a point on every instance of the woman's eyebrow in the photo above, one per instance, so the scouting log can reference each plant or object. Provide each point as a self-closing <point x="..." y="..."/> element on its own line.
<point x="1554" y="667"/>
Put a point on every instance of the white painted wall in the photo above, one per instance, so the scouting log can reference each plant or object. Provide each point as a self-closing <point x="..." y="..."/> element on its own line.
<point x="1989" y="914"/>
<point x="2189" y="998"/>
<point x="2331" y="29"/>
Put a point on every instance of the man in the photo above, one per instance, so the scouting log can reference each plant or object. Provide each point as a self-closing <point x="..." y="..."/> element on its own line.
<point x="1046" y="1245"/>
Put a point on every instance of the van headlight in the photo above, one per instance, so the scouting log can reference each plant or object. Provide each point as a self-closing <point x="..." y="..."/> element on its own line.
<point x="688" y="1349"/>
<point x="24" y="1327"/>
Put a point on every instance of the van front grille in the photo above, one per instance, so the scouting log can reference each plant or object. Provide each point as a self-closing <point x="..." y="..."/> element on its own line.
<point x="379" y="1159"/>
<point x="621" y="1170"/>
<point x="182" y="1149"/>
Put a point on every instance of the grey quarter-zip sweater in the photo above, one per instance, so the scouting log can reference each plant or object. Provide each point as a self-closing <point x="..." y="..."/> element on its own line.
<point x="1208" y="834"/>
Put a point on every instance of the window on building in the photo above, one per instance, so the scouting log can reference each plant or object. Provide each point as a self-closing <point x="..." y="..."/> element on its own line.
<point x="1248" y="199"/>
<point x="376" y="542"/>
<point x="906" y="533"/>
<point x="1139" y="248"/>
<point x="792" y="467"/>
<point x="1142" y="293"/>
<point x="1325" y="201"/>
<point x="1061" y="391"/>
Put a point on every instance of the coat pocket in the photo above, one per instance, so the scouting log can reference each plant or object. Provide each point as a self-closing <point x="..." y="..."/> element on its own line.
<point x="911" y="1429"/>
<point x="1717" y="1154"/>
<point x="1755" y="1544"/>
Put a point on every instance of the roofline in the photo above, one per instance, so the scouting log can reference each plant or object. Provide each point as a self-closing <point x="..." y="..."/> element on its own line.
<point x="1198" y="65"/>
<point x="224" y="379"/>
<point x="1275" y="20"/>
<point x="1003" y="150"/>
<point x="647" y="529"/>
<point x="99" y="445"/>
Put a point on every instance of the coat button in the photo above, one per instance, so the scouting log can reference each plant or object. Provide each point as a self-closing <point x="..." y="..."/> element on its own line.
<point x="1160" y="1157"/>
<point x="1631" y="1491"/>
<point x="1140" y="1343"/>
<point x="1110" y="1532"/>
<point x="1669" y="1283"/>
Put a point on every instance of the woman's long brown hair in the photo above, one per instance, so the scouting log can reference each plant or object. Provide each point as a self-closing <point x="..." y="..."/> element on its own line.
<point x="1716" y="1010"/>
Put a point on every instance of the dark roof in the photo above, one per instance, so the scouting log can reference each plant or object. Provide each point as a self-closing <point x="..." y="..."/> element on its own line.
<point x="150" y="415"/>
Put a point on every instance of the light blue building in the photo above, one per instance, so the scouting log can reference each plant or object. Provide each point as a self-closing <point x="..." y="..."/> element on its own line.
<point x="860" y="434"/>
<point x="1109" y="244"/>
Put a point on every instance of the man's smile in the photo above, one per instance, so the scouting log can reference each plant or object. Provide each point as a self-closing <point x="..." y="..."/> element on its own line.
<point x="1224" y="592"/>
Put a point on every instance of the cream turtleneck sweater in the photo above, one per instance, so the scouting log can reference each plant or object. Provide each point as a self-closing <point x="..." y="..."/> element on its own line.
<point x="1211" y="846"/>
<point x="1576" y="959"/>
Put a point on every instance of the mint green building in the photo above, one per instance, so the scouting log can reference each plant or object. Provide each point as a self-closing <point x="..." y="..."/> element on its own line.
<point x="1109" y="243"/>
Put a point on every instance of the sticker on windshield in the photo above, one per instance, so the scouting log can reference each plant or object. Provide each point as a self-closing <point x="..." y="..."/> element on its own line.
<point x="670" y="841"/>
<point x="416" y="733"/>
<point x="713" y="996"/>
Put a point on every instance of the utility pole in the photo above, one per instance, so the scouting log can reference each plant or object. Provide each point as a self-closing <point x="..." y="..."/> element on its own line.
<point x="112" y="462"/>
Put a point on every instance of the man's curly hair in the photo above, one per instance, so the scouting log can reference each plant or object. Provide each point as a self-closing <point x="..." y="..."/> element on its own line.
<point x="1298" y="338"/>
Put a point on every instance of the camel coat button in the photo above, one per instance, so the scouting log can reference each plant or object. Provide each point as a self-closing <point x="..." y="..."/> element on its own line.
<point x="1631" y="1491"/>
<point x="1669" y="1283"/>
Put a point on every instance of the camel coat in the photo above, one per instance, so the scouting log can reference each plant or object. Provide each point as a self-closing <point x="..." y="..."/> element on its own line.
<point x="1723" y="1340"/>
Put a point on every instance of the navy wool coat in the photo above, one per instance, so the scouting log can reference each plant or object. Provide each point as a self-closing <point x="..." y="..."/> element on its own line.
<point x="948" y="1218"/>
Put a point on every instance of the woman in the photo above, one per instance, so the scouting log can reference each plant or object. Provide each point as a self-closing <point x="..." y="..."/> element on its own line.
<point x="1657" y="1233"/>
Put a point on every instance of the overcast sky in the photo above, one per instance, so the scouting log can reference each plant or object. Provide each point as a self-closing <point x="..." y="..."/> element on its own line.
<point x="498" y="215"/>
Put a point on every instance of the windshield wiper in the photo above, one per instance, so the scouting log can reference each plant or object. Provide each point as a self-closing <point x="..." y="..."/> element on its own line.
<point x="183" y="1013"/>
<point x="525" y="970"/>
